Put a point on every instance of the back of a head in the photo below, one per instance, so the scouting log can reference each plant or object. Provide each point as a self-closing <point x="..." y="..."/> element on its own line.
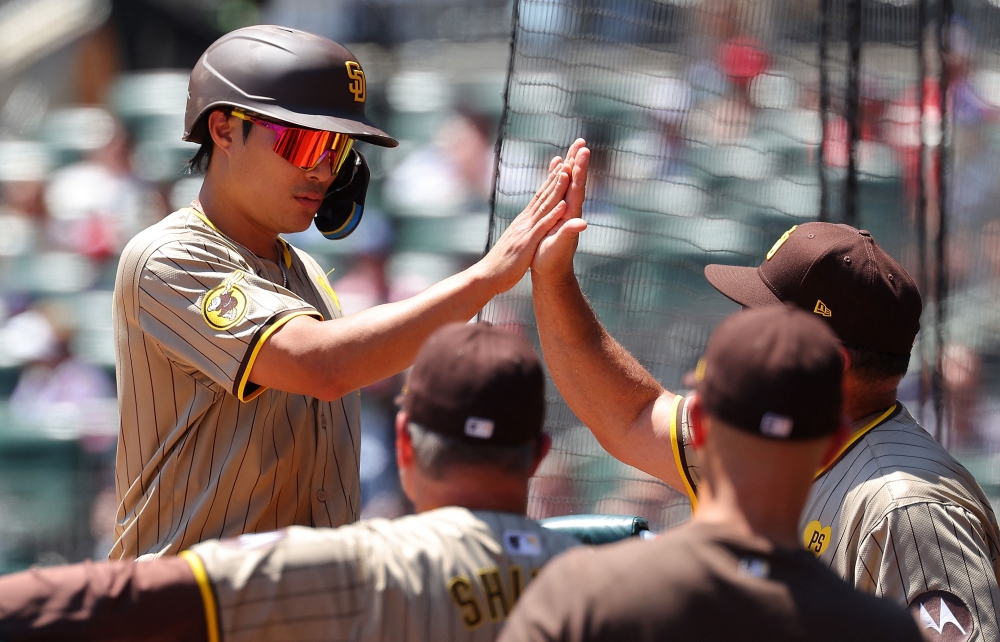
<point x="475" y="397"/>
<point x="771" y="382"/>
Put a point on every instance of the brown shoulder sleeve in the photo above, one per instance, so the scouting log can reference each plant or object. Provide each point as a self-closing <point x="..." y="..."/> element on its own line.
<point x="122" y="601"/>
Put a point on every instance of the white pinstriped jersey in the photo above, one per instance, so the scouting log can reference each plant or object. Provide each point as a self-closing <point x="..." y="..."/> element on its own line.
<point x="447" y="574"/>
<point x="202" y="451"/>
<point x="896" y="515"/>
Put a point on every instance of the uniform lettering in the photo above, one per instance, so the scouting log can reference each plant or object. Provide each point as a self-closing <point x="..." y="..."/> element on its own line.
<point x="495" y="597"/>
<point x="460" y="589"/>
<point x="516" y="583"/>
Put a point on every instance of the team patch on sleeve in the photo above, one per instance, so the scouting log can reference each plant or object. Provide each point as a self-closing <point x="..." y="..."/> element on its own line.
<point x="225" y="305"/>
<point x="942" y="617"/>
<point x="816" y="537"/>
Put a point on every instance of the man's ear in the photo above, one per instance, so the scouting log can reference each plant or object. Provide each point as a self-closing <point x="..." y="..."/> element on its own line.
<point x="404" y="445"/>
<point x="845" y="354"/>
<point x="544" y="444"/>
<point x="696" y="415"/>
<point x="220" y="128"/>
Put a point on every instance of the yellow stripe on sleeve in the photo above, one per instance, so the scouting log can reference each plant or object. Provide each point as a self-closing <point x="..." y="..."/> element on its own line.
<point x="676" y="446"/>
<point x="323" y="283"/>
<point x="241" y="389"/>
<point x="207" y="595"/>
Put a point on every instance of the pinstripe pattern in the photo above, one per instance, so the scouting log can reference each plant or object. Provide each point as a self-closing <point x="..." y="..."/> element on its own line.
<point x="195" y="462"/>
<point x="905" y="519"/>
<point x="419" y="578"/>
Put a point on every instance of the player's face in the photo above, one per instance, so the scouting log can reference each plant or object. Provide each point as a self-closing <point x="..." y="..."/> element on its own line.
<point x="280" y="196"/>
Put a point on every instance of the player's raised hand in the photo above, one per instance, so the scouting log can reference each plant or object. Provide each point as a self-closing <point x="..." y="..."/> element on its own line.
<point x="554" y="257"/>
<point x="513" y="252"/>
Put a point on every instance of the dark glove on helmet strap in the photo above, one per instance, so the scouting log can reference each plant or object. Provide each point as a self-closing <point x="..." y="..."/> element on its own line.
<point x="344" y="203"/>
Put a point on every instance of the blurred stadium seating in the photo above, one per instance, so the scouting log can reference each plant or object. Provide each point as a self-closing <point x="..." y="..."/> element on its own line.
<point x="91" y="117"/>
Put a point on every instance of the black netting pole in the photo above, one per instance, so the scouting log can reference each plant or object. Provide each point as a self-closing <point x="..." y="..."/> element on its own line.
<point x="853" y="111"/>
<point x="501" y="131"/>
<point x="824" y="104"/>
<point x="502" y="128"/>
<point x="941" y="278"/>
<point x="922" y="206"/>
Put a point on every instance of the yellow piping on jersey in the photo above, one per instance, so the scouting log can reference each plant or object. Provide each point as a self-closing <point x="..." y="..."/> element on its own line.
<point x="857" y="437"/>
<point x="260" y="343"/>
<point x="675" y="445"/>
<point x="207" y="595"/>
<point x="203" y="218"/>
<point x="323" y="283"/>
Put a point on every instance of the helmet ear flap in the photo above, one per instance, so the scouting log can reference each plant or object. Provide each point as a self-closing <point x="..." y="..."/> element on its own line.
<point x="344" y="203"/>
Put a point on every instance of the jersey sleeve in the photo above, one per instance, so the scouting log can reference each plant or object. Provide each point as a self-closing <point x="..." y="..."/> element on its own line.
<point x="933" y="558"/>
<point x="685" y="456"/>
<point x="207" y="311"/>
<point x="294" y="584"/>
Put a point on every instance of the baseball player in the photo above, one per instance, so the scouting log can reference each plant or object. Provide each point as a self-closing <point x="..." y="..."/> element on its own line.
<point x="893" y="513"/>
<point x="468" y="438"/>
<point x="237" y="372"/>
<point x="766" y="413"/>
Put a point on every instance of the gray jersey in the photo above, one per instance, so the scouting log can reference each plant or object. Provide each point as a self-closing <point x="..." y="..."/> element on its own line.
<point x="202" y="451"/>
<point x="896" y="515"/>
<point x="447" y="574"/>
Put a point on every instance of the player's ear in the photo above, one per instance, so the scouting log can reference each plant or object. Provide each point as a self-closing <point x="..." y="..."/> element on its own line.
<point x="845" y="354"/>
<point x="696" y="415"/>
<point x="220" y="128"/>
<point x="404" y="444"/>
<point x="544" y="444"/>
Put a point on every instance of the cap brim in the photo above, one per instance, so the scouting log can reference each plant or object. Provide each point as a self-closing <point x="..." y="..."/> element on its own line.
<point x="741" y="284"/>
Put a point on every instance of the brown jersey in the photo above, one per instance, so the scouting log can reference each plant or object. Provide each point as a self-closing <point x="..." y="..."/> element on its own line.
<point x="700" y="583"/>
<point x="896" y="515"/>
<point x="446" y="574"/>
<point x="202" y="451"/>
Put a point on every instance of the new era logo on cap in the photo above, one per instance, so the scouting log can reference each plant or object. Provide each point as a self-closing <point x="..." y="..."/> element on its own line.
<point x="478" y="428"/>
<point x="822" y="310"/>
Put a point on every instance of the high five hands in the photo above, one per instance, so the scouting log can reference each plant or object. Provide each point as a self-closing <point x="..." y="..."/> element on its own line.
<point x="543" y="236"/>
<point x="553" y="260"/>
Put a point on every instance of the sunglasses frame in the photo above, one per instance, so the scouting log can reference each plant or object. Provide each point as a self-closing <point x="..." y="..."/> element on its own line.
<point x="282" y="132"/>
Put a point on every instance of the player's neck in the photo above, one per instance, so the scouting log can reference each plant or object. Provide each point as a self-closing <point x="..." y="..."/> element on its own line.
<point x="229" y="217"/>
<point x="863" y="398"/>
<point x="774" y="520"/>
<point x="473" y="490"/>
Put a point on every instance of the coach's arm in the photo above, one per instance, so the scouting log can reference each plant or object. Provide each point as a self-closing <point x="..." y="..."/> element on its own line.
<point x="626" y="408"/>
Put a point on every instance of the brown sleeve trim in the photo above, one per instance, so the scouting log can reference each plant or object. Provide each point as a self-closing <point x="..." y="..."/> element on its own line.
<point x="243" y="389"/>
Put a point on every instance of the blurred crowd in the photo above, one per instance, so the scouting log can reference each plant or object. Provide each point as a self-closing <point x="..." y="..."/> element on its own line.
<point x="705" y="150"/>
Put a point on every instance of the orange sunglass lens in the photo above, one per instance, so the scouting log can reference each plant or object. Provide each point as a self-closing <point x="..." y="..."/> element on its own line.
<point x="305" y="148"/>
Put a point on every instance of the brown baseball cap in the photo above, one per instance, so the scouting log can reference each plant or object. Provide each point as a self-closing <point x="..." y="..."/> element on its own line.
<point x="838" y="273"/>
<point x="774" y="372"/>
<point x="477" y="383"/>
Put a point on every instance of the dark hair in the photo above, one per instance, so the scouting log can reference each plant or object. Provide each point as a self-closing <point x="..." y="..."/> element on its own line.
<point x="199" y="162"/>
<point x="875" y="365"/>
<point x="437" y="453"/>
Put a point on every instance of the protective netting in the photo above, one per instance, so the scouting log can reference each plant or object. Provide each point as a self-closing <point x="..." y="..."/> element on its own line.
<point x="704" y="117"/>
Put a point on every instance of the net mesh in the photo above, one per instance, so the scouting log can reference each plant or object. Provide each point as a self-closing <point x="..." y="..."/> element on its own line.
<point x="707" y="120"/>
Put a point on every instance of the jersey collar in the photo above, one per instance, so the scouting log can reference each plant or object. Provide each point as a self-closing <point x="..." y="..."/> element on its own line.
<point x="286" y="253"/>
<point x="859" y="435"/>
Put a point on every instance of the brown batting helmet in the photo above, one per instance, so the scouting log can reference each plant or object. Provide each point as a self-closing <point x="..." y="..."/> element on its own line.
<point x="289" y="75"/>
